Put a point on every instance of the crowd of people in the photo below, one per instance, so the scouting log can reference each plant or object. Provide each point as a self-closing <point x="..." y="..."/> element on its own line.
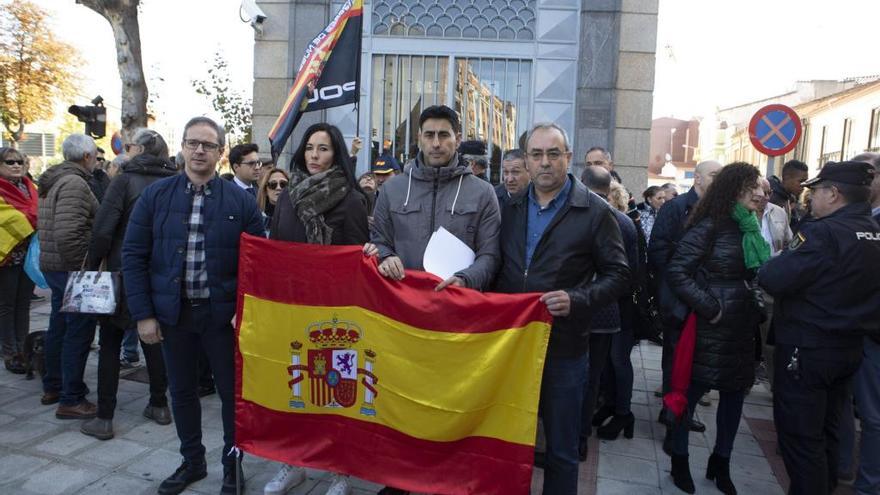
<point x="779" y="274"/>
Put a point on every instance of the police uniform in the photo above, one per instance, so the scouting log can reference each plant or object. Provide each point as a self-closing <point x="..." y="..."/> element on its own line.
<point x="827" y="292"/>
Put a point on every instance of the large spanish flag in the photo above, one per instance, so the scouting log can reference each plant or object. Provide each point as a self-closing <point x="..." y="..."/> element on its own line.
<point x="343" y="370"/>
<point x="18" y="215"/>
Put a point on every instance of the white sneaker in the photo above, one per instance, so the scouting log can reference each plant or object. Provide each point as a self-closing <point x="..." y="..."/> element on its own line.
<point x="286" y="478"/>
<point x="339" y="485"/>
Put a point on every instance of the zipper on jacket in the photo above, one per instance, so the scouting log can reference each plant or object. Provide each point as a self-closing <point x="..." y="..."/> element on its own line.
<point x="525" y="279"/>
<point x="434" y="204"/>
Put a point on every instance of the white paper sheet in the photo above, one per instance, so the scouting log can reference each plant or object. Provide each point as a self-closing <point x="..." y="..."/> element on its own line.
<point x="446" y="254"/>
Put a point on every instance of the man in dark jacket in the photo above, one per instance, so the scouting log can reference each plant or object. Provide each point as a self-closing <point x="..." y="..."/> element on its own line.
<point x="514" y="175"/>
<point x="100" y="180"/>
<point x="180" y="264"/>
<point x="787" y="192"/>
<point x="560" y="239"/>
<point x="607" y="324"/>
<point x="668" y="229"/>
<point x="826" y="299"/>
<point x="148" y="163"/>
<point x="67" y="210"/>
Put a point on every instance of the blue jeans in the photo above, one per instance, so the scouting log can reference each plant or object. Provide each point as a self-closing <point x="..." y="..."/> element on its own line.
<point x="66" y="346"/>
<point x="866" y="389"/>
<point x="196" y="330"/>
<point x="130" y="345"/>
<point x="562" y="394"/>
<point x="729" y="412"/>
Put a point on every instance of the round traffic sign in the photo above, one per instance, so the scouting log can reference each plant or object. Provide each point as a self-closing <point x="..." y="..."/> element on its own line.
<point x="775" y="130"/>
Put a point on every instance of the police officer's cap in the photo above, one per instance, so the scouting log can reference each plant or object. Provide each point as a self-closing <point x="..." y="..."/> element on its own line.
<point x="854" y="173"/>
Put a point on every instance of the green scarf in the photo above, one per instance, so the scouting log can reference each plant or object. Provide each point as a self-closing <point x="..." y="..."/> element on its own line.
<point x="755" y="249"/>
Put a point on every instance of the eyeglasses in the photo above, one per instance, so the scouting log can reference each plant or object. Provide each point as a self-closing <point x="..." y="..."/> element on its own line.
<point x="13" y="162"/>
<point x="276" y="184"/>
<point x="552" y="155"/>
<point x="100" y="159"/>
<point x="193" y="144"/>
<point x="254" y="163"/>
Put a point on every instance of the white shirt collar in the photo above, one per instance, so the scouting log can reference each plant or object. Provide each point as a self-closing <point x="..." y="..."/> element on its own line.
<point x="240" y="183"/>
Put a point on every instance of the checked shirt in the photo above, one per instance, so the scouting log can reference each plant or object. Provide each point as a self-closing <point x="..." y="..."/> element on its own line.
<point x="195" y="273"/>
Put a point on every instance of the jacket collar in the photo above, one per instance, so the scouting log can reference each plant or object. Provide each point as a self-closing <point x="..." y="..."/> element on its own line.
<point x="579" y="196"/>
<point x="450" y="171"/>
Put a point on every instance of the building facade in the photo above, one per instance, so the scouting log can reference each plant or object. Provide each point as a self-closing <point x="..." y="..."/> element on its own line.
<point x="587" y="65"/>
<point x="839" y="119"/>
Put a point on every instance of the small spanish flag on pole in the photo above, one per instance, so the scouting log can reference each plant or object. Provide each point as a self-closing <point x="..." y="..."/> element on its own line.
<point x="341" y="369"/>
<point x="328" y="75"/>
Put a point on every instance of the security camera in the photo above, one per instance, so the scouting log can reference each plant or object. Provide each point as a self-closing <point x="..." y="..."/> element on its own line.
<point x="256" y="16"/>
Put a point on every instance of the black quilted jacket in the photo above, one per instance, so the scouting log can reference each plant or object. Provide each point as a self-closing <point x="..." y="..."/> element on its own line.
<point x="708" y="273"/>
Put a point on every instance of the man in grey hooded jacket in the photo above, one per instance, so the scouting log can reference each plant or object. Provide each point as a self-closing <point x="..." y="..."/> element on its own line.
<point x="437" y="189"/>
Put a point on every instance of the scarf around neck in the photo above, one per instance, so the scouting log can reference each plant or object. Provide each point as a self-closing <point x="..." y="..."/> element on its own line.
<point x="756" y="251"/>
<point x="314" y="195"/>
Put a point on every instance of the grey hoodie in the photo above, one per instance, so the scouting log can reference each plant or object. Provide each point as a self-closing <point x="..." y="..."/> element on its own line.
<point x="413" y="205"/>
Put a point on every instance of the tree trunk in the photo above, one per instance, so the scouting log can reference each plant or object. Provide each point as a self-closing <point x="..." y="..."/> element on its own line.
<point x="122" y="16"/>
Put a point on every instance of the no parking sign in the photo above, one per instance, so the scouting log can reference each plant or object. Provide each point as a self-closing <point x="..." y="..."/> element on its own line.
<point x="775" y="130"/>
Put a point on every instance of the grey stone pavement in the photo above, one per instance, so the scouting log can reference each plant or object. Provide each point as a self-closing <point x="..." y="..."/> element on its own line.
<point x="40" y="454"/>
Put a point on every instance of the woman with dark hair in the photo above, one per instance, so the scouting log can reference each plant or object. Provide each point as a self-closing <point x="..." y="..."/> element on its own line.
<point x="322" y="205"/>
<point x="654" y="196"/>
<point x="148" y="162"/>
<point x="712" y="271"/>
<point x="18" y="217"/>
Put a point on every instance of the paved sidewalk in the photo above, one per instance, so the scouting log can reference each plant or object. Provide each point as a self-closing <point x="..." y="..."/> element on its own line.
<point x="42" y="455"/>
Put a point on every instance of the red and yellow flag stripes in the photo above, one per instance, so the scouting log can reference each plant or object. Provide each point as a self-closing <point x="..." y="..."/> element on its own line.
<point x="343" y="370"/>
<point x="18" y="215"/>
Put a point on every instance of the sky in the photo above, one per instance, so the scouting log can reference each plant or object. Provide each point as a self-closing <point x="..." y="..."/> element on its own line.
<point x="178" y="38"/>
<point x="721" y="53"/>
<point x="710" y="53"/>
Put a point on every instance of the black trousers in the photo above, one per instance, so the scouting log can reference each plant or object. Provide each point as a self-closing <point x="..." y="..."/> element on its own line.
<point x="110" y="338"/>
<point x="671" y="334"/>
<point x="806" y="409"/>
<point x="600" y="349"/>
<point x="199" y="329"/>
<point x="15" y="305"/>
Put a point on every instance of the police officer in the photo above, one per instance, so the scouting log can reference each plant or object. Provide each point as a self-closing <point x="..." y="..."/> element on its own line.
<point x="827" y="295"/>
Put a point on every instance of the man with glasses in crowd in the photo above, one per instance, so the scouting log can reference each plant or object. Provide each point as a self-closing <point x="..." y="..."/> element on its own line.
<point x="180" y="265"/>
<point x="245" y="162"/>
<point x="99" y="181"/>
<point x="562" y="240"/>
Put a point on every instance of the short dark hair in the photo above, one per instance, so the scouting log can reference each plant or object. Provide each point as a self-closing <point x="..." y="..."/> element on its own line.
<point x="440" y="112"/>
<point x="605" y="153"/>
<point x="238" y="152"/>
<point x="651" y="192"/>
<point x="221" y="133"/>
<point x="793" y="166"/>
<point x="851" y="192"/>
<point x="100" y="149"/>
<point x="514" y="154"/>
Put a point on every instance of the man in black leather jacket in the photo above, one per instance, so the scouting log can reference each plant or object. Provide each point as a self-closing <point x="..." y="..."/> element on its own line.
<point x="827" y="298"/>
<point x="560" y="239"/>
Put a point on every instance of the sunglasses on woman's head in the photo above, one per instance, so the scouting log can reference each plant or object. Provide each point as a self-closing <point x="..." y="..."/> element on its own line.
<point x="277" y="184"/>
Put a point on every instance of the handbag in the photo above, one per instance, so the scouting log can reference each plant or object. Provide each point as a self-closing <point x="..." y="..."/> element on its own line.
<point x="675" y="400"/>
<point x="90" y="292"/>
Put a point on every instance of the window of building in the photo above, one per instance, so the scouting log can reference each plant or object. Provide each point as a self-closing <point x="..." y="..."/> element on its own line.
<point x="34" y="144"/>
<point x="847" y="134"/>
<point x="874" y="131"/>
<point x="474" y="19"/>
<point x="491" y="96"/>
<point x="800" y="151"/>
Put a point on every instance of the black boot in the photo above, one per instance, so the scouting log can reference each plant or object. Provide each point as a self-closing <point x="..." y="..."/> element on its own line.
<point x="681" y="474"/>
<point x="602" y="414"/>
<point x="621" y="422"/>
<point x="719" y="471"/>
<point x="186" y="474"/>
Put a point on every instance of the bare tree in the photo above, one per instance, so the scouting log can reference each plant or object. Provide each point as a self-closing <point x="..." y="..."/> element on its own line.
<point x="123" y="18"/>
